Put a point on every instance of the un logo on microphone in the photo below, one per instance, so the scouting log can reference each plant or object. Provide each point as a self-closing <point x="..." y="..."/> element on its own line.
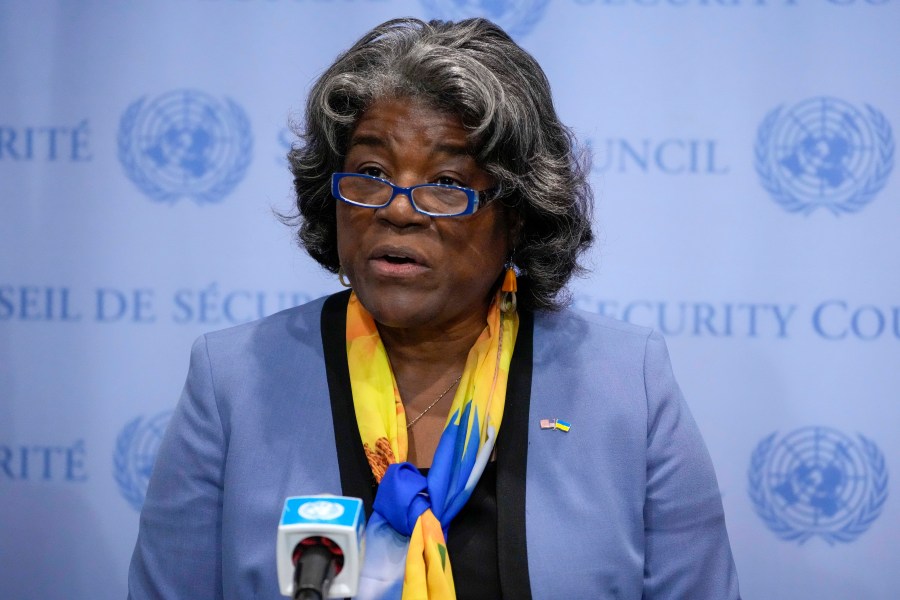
<point x="135" y="454"/>
<point x="824" y="153"/>
<point x="185" y="144"/>
<point x="816" y="481"/>
<point x="516" y="17"/>
<point x="321" y="510"/>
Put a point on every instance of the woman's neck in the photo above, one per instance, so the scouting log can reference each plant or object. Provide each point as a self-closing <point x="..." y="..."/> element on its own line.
<point x="428" y="355"/>
<point x="425" y="364"/>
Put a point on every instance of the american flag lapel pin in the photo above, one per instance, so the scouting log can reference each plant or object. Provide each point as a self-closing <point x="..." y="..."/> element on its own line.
<point x="557" y="424"/>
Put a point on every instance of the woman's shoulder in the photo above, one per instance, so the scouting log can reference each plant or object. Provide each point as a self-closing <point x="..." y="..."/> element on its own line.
<point x="573" y="326"/>
<point x="295" y="327"/>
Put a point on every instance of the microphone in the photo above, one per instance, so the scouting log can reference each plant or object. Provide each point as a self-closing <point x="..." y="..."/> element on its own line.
<point x="320" y="547"/>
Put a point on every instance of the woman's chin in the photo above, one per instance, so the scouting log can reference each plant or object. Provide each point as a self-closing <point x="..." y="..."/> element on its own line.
<point x="404" y="308"/>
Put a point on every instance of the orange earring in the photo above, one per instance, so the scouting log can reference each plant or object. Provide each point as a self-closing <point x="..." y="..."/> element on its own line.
<point x="509" y="288"/>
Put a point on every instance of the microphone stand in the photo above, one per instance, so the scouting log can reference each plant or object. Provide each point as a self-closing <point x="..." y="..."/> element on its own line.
<point x="313" y="573"/>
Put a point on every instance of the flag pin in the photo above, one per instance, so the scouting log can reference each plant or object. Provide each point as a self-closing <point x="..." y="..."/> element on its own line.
<point x="555" y="424"/>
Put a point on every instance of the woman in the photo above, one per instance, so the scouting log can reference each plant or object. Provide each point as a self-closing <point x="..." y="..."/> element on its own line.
<point x="503" y="446"/>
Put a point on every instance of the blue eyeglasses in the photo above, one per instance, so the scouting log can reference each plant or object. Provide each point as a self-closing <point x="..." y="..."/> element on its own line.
<point x="432" y="199"/>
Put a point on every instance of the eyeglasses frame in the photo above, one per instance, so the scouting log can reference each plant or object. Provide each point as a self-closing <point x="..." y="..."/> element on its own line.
<point x="476" y="199"/>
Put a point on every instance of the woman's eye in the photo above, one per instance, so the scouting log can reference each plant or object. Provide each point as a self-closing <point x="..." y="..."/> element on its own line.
<point x="449" y="181"/>
<point x="372" y="172"/>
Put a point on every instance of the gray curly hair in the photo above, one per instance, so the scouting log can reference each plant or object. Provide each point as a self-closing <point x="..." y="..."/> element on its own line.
<point x="474" y="70"/>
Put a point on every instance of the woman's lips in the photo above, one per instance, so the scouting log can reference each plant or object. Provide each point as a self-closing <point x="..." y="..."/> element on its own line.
<point x="397" y="262"/>
<point x="384" y="266"/>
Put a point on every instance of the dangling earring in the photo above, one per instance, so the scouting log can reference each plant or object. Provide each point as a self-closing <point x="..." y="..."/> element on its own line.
<point x="342" y="277"/>
<point x="509" y="288"/>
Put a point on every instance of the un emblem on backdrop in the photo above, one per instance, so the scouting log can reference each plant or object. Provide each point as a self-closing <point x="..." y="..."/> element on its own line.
<point x="135" y="453"/>
<point x="517" y="17"/>
<point x="823" y="152"/>
<point x="185" y="143"/>
<point x="816" y="481"/>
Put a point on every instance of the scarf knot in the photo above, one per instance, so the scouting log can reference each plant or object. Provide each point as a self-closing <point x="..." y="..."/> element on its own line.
<point x="402" y="497"/>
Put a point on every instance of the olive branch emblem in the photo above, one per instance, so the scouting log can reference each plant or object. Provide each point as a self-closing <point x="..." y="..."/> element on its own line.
<point x="131" y="155"/>
<point x="773" y="182"/>
<point x="863" y="515"/>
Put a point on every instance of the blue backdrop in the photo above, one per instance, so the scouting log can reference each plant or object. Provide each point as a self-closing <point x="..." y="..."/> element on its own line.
<point x="746" y="207"/>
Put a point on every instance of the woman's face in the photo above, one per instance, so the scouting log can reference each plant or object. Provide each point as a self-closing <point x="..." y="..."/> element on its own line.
<point x="410" y="270"/>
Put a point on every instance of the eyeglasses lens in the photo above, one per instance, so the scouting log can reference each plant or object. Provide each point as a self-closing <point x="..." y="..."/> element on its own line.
<point x="363" y="190"/>
<point x="440" y="200"/>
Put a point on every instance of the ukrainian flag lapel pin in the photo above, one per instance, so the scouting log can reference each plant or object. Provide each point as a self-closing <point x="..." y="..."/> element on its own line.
<point x="557" y="424"/>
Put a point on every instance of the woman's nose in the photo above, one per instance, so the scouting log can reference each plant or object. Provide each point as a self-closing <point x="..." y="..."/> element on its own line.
<point x="401" y="212"/>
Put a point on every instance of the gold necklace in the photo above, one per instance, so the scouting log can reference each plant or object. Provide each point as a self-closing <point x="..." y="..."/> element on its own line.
<point x="444" y="393"/>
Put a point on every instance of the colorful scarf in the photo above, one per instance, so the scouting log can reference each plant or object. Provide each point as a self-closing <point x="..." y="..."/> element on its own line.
<point x="406" y="551"/>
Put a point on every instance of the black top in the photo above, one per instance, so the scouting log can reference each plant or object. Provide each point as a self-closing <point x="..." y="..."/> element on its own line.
<point x="472" y="541"/>
<point x="486" y="540"/>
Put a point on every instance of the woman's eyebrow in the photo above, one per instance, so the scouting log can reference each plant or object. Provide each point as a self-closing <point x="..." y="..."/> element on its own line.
<point x="454" y="149"/>
<point x="367" y="140"/>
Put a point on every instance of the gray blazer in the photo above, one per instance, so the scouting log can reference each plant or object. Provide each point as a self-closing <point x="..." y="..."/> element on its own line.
<point x="624" y="505"/>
